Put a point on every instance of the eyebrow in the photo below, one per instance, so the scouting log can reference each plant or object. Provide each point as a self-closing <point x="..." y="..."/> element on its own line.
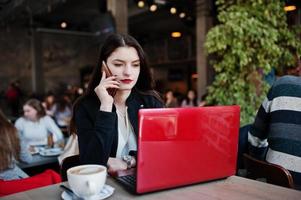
<point x="124" y="61"/>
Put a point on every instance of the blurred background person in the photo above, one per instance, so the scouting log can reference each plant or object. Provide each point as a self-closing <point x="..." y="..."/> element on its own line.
<point x="35" y="125"/>
<point x="190" y="100"/>
<point x="48" y="103"/>
<point x="62" y="111"/>
<point x="170" y="100"/>
<point x="13" y="97"/>
<point x="12" y="150"/>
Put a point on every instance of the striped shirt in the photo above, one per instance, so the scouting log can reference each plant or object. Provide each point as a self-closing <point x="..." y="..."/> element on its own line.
<point x="278" y="124"/>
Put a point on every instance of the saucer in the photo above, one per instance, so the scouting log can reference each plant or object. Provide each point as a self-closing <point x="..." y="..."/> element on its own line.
<point x="105" y="193"/>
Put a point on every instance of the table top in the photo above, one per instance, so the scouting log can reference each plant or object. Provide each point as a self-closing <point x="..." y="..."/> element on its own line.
<point x="234" y="188"/>
<point x="38" y="160"/>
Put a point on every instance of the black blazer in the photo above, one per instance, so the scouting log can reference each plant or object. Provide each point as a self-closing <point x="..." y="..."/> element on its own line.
<point x="97" y="130"/>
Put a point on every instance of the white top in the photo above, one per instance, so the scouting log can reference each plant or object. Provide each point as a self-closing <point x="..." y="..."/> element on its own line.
<point x="126" y="138"/>
<point x="188" y="103"/>
<point x="35" y="132"/>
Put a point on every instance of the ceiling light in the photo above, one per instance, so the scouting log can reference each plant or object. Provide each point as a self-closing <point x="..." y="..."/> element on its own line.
<point x="289" y="8"/>
<point x="182" y="15"/>
<point x="140" y="4"/>
<point x="153" y="8"/>
<point x="176" y="34"/>
<point x="173" y="10"/>
<point x="64" y="25"/>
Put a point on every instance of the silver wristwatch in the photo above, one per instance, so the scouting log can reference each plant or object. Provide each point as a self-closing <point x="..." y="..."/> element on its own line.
<point x="128" y="160"/>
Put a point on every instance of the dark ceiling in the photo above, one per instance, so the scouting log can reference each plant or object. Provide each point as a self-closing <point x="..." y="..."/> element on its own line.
<point x="83" y="15"/>
<point x="92" y="16"/>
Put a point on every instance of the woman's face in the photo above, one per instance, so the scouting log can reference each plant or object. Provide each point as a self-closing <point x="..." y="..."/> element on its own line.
<point x="169" y="95"/>
<point x="50" y="99"/>
<point x="30" y="113"/>
<point x="124" y="63"/>
<point x="191" y="94"/>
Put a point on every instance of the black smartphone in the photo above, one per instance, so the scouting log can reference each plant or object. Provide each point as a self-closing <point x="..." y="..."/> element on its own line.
<point x="111" y="91"/>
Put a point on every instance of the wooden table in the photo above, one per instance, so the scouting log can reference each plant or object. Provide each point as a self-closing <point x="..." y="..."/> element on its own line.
<point x="232" y="188"/>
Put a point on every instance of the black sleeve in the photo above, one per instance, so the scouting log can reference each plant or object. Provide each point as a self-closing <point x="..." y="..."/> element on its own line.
<point x="95" y="138"/>
<point x="155" y="103"/>
<point x="159" y="104"/>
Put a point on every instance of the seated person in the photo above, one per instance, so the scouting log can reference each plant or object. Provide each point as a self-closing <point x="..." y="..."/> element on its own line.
<point x="48" y="104"/>
<point x="190" y="100"/>
<point x="107" y="124"/>
<point x="11" y="151"/>
<point x="35" y="126"/>
<point x="277" y="127"/>
<point x="170" y="100"/>
<point x="62" y="111"/>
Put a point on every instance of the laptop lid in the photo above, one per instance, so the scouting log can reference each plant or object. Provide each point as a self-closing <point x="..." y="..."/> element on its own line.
<point x="180" y="146"/>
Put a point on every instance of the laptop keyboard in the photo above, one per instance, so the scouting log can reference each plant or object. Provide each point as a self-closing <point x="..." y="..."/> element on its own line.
<point x="128" y="181"/>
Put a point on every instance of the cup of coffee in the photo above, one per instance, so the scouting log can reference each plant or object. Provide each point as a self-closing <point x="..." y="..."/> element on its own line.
<point x="87" y="181"/>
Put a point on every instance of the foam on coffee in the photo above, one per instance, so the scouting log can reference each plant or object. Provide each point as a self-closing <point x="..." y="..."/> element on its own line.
<point x="86" y="170"/>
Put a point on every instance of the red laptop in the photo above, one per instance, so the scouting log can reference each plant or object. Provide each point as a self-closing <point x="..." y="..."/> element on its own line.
<point x="182" y="146"/>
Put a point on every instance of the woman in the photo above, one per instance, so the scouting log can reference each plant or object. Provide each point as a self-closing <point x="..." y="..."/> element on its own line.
<point x="48" y="104"/>
<point x="190" y="99"/>
<point x="11" y="151"/>
<point x="107" y="126"/>
<point x="36" y="126"/>
<point x="170" y="100"/>
<point x="62" y="111"/>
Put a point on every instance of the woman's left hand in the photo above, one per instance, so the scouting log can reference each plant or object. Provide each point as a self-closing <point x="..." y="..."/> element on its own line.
<point x="115" y="164"/>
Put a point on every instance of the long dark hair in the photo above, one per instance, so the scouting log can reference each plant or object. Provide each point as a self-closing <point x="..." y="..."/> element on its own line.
<point x="9" y="143"/>
<point x="145" y="83"/>
<point x="194" y="100"/>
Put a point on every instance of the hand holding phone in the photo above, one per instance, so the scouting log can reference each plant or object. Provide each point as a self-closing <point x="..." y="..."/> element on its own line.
<point x="105" y="68"/>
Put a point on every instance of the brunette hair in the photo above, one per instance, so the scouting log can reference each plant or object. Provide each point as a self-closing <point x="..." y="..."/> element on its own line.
<point x="9" y="143"/>
<point x="145" y="83"/>
<point x="37" y="105"/>
<point x="48" y="105"/>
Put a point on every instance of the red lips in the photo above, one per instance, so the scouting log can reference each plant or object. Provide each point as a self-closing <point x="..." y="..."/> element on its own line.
<point x="126" y="81"/>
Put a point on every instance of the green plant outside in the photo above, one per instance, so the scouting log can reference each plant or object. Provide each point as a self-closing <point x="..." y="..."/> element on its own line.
<point x="252" y="38"/>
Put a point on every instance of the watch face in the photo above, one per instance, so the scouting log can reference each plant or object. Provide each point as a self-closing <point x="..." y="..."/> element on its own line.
<point x="128" y="159"/>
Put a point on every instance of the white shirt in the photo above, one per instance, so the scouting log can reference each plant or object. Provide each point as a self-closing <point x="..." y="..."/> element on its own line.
<point x="35" y="132"/>
<point x="126" y="138"/>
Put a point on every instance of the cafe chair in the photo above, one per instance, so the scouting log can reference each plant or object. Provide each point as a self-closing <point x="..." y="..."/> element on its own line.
<point x="48" y="177"/>
<point x="273" y="173"/>
<point x="67" y="163"/>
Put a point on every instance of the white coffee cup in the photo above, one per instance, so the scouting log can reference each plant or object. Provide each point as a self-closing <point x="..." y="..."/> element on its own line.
<point x="86" y="181"/>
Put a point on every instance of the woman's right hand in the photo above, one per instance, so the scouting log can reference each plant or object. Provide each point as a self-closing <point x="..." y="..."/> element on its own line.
<point x="115" y="164"/>
<point x="102" y="93"/>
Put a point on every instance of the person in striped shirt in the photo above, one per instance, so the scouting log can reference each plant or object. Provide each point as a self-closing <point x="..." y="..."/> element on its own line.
<point x="276" y="133"/>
